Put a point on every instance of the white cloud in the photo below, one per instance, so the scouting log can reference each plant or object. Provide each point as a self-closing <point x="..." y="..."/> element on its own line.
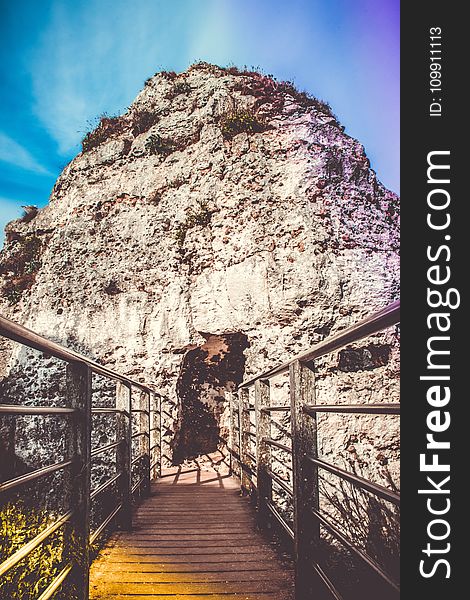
<point x="94" y="57"/>
<point x="14" y="154"/>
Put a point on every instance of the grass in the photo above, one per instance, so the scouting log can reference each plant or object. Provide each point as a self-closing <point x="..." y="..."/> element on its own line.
<point x="107" y="127"/>
<point x="239" y="121"/>
<point x="142" y="121"/>
<point x="179" y="87"/>
<point x="177" y="182"/>
<point x="156" y="144"/>
<point x="333" y="166"/>
<point x="29" y="213"/>
<point x="199" y="216"/>
<point x="271" y="94"/>
<point x="18" y="525"/>
<point x="20" y="267"/>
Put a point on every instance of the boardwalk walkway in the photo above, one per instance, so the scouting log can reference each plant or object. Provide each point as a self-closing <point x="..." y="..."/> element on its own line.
<point x="195" y="537"/>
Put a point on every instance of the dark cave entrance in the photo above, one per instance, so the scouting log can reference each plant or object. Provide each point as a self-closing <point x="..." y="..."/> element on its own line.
<point x="208" y="372"/>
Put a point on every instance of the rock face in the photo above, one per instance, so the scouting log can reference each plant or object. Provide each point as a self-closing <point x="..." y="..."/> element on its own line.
<point x="221" y="206"/>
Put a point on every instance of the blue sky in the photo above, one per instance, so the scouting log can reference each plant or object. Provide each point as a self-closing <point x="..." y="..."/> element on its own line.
<point x="64" y="62"/>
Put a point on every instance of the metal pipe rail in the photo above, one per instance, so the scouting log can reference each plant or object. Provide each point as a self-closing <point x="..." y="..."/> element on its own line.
<point x="306" y="463"/>
<point x="18" y="333"/>
<point x="78" y="412"/>
<point x="388" y="316"/>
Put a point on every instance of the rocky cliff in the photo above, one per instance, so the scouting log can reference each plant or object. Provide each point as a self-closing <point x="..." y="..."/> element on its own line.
<point x="224" y="223"/>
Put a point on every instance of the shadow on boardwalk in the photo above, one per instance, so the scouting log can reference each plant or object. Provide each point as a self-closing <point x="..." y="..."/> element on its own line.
<point x="195" y="537"/>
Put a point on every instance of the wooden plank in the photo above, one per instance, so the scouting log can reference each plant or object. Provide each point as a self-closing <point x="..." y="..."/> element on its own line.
<point x="210" y="548"/>
<point x="195" y="552"/>
<point x="148" y="588"/>
<point x="189" y="558"/>
<point x="176" y="540"/>
<point x="200" y="541"/>
<point x="215" y="596"/>
<point x="77" y="479"/>
<point x="164" y="568"/>
<point x="191" y="577"/>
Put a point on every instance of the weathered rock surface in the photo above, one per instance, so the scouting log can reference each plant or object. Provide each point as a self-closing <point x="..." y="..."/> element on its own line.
<point x="171" y="231"/>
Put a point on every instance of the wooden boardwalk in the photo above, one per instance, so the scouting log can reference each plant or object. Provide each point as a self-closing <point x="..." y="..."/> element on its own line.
<point x="195" y="537"/>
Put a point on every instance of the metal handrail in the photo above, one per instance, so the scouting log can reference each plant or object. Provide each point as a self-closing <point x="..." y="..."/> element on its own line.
<point x="104" y="524"/>
<point x="276" y="444"/>
<point x="137" y="459"/>
<point x="375" y="488"/>
<point x="138" y="484"/>
<point x="140" y="434"/>
<point x="305" y="462"/>
<point x="102" y="449"/>
<point x="14" y="409"/>
<point x="56" y="583"/>
<point x="330" y="586"/>
<point x="361" y="409"/>
<point x="18" y="333"/>
<point x="27" y="477"/>
<point x="249" y="433"/>
<point x="280" y="520"/>
<point x="15" y="558"/>
<point x="375" y="323"/>
<point x="105" y="485"/>
<point x="113" y="411"/>
<point x="251" y="456"/>
<point x="280" y="482"/>
<point x="79" y="399"/>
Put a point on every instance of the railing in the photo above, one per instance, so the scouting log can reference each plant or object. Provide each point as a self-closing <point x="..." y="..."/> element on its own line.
<point x="137" y="452"/>
<point x="251" y="424"/>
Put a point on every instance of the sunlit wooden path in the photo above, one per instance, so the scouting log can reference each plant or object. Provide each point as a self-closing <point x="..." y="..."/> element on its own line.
<point x="195" y="537"/>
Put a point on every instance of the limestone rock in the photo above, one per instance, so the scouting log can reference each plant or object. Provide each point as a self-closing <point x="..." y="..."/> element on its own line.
<point x="220" y="203"/>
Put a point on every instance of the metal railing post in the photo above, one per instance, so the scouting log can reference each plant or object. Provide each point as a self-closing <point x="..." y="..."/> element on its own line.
<point x="306" y="492"/>
<point x="234" y="440"/>
<point x="263" y="451"/>
<point x="160" y="432"/>
<point x="244" y="443"/>
<point x="147" y="440"/>
<point x="77" y="478"/>
<point x="155" y="436"/>
<point x="123" y="453"/>
<point x="143" y="418"/>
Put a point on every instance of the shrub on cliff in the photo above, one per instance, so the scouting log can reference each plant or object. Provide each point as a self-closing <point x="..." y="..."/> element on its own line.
<point x="142" y="121"/>
<point x="201" y="215"/>
<point x="18" y="525"/>
<point x="239" y="121"/>
<point x="107" y="127"/>
<point x="271" y="94"/>
<point x="179" y="87"/>
<point x="29" y="213"/>
<point x="155" y="144"/>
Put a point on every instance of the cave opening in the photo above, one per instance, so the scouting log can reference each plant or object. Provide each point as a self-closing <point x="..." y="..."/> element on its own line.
<point x="208" y="373"/>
